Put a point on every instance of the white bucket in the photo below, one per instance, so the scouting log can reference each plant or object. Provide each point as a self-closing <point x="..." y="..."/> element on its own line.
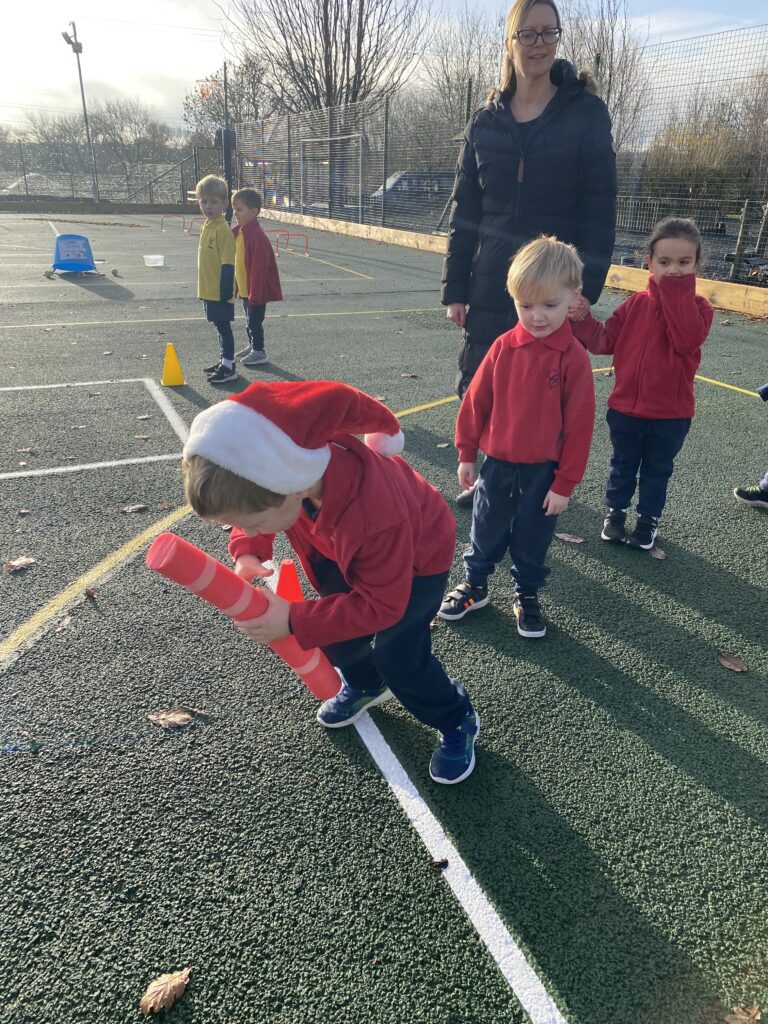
<point x="154" y="261"/>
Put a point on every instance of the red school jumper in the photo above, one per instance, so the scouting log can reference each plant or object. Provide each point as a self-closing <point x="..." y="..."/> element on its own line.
<point x="382" y="524"/>
<point x="260" y="265"/>
<point x="655" y="338"/>
<point x="531" y="400"/>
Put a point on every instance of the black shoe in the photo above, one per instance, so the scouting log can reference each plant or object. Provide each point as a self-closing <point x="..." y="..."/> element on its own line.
<point x="613" y="526"/>
<point x="223" y="374"/>
<point x="467" y="498"/>
<point x="212" y="368"/>
<point x="754" y="495"/>
<point x="644" y="533"/>
<point x="464" y="599"/>
<point x="530" y="621"/>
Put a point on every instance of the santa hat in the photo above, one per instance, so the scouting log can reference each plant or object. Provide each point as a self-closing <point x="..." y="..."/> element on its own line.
<point x="277" y="435"/>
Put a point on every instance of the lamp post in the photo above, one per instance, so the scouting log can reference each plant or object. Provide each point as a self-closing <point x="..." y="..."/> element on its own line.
<point x="77" y="49"/>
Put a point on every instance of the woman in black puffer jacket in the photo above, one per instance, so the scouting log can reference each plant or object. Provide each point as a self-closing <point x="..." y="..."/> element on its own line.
<point x="537" y="159"/>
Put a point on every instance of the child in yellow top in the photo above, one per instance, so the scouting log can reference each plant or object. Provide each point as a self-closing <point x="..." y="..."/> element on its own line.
<point x="216" y="273"/>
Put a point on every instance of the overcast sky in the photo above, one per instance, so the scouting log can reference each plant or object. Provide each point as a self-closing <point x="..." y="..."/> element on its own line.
<point x="156" y="49"/>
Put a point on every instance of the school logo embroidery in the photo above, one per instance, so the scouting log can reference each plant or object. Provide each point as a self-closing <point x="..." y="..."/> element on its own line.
<point x="554" y="378"/>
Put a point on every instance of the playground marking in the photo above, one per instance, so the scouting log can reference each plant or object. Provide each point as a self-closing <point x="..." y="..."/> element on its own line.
<point x="338" y="266"/>
<point x="506" y="953"/>
<point x="709" y="380"/>
<point x="76" y="384"/>
<point x="54" y="470"/>
<point x="199" y="319"/>
<point x="52" y="226"/>
<point x="177" y="423"/>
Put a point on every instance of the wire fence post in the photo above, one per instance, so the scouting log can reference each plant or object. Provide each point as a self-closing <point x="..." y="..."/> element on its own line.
<point x="385" y="163"/>
<point x="290" y="168"/>
<point x="741" y="241"/>
<point x="23" y="168"/>
<point x="263" y="167"/>
<point x="196" y="162"/>
<point x="331" y="169"/>
<point x="762" y="234"/>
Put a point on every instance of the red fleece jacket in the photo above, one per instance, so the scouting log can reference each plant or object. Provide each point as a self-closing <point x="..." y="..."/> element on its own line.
<point x="655" y="338"/>
<point x="383" y="524"/>
<point x="531" y="400"/>
<point x="260" y="265"/>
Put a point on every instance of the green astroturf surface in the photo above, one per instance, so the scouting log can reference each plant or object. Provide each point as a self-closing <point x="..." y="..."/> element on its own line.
<point x="617" y="815"/>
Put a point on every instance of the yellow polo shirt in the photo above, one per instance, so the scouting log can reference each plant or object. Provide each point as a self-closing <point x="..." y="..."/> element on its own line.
<point x="216" y="249"/>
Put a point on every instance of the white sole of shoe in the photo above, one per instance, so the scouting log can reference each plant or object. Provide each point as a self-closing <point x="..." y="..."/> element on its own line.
<point x="470" y="768"/>
<point x="530" y="634"/>
<point x="386" y="695"/>
<point x="460" y="615"/>
<point x="752" y="504"/>
<point x="613" y="540"/>
<point x="643" y="547"/>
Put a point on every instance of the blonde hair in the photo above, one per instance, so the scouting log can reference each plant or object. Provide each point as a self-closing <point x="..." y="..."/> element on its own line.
<point x="515" y="17"/>
<point x="542" y="263"/>
<point x="214" y="491"/>
<point x="211" y="185"/>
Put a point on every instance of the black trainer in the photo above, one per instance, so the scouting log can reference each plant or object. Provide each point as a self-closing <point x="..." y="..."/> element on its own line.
<point x="212" y="368"/>
<point x="644" y="533"/>
<point x="223" y="374"/>
<point x="613" y="526"/>
<point x="463" y="599"/>
<point x="754" y="495"/>
<point x="530" y="621"/>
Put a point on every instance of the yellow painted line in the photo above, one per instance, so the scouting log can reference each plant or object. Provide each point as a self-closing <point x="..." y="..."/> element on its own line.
<point x="708" y="380"/>
<point x="427" y="405"/>
<point x="338" y="266"/>
<point x="199" y="319"/>
<point x="75" y="590"/>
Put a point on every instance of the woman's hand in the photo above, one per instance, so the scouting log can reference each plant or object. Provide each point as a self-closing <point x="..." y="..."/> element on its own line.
<point x="466" y="475"/>
<point x="273" y="624"/>
<point x="247" y="567"/>
<point x="579" y="308"/>
<point x="554" y="504"/>
<point x="457" y="312"/>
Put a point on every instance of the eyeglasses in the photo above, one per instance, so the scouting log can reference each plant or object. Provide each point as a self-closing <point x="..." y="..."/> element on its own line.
<point x="529" y="36"/>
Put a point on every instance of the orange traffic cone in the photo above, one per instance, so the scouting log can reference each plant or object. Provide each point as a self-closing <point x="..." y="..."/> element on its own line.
<point x="172" y="376"/>
<point x="288" y="583"/>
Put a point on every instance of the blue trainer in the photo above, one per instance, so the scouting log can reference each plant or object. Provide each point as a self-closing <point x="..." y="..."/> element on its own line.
<point x="454" y="756"/>
<point x="348" y="705"/>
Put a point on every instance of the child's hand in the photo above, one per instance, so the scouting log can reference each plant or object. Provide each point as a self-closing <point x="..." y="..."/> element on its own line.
<point x="554" y="504"/>
<point x="248" y="566"/>
<point x="466" y="475"/>
<point x="457" y="312"/>
<point x="579" y="308"/>
<point x="273" y="624"/>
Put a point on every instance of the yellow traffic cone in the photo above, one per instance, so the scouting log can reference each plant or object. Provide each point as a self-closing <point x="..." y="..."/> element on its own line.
<point x="172" y="376"/>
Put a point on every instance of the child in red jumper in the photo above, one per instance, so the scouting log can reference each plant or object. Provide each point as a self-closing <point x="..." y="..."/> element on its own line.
<point x="258" y="281"/>
<point x="531" y="409"/>
<point x="375" y="540"/>
<point x="655" y="338"/>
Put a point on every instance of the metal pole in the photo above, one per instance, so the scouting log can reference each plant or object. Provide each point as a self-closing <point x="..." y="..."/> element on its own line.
<point x="78" y="48"/>
<point x="196" y="157"/>
<point x="385" y="161"/>
<point x="263" y="168"/>
<point x="741" y="241"/>
<point x="226" y="98"/>
<point x="762" y="234"/>
<point x="331" y="169"/>
<point x="290" y="169"/>
<point x="360" y="179"/>
<point x="468" y="101"/>
<point x="23" y="168"/>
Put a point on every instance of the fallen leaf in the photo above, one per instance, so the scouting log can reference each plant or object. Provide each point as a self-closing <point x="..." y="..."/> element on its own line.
<point x="380" y="398"/>
<point x="163" y="507"/>
<point x="163" y="992"/>
<point x="141" y="437"/>
<point x="570" y="538"/>
<point x="93" y="394"/>
<point x="743" y="1015"/>
<point x="658" y="553"/>
<point x="398" y="332"/>
<point x="23" y="463"/>
<point x="49" y="274"/>
<point x="90" y="593"/>
<point x="107" y="353"/>
<point x="608" y="372"/>
<point x="443" y="444"/>
<point x="438" y="865"/>
<point x="25" y="512"/>
<point x="26" y="451"/>
<point x="135" y="508"/>
<point x="410" y="376"/>
<point x="17" y="564"/>
<point x="725" y="323"/>
<point x="374" y="962"/>
<point x="732" y="663"/>
<point x="171" y="719"/>
<point x="433" y="624"/>
<point x="63" y="624"/>
<point x="145" y="416"/>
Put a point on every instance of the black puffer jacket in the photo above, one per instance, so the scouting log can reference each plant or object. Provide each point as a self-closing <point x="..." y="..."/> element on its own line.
<point x="514" y="183"/>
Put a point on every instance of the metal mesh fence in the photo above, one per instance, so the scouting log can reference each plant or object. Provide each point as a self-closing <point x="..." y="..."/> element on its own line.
<point x="691" y="130"/>
<point x="41" y="171"/>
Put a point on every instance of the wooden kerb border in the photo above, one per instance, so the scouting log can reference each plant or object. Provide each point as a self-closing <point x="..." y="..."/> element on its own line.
<point x="739" y="298"/>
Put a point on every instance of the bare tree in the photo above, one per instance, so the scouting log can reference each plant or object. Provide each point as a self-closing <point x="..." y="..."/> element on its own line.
<point x="60" y="140"/>
<point x="246" y="97"/>
<point x="599" y="35"/>
<point x="467" y="46"/>
<point x="130" y="132"/>
<point x="322" y="53"/>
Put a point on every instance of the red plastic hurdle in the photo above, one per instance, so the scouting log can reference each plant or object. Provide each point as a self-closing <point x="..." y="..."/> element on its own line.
<point x="294" y="234"/>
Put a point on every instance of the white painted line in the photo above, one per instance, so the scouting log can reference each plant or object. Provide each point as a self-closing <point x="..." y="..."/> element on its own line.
<point x="509" y="958"/>
<point x="179" y="426"/>
<point x="54" y="470"/>
<point x="74" y="384"/>
<point x="52" y="226"/>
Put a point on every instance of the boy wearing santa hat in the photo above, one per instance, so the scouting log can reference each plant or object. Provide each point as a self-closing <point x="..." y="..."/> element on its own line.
<point x="374" y="538"/>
